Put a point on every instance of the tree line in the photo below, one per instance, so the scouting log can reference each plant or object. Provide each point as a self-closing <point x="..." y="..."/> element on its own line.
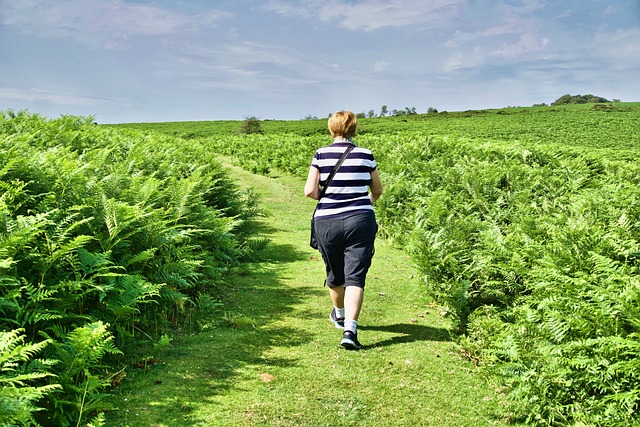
<point x="563" y="100"/>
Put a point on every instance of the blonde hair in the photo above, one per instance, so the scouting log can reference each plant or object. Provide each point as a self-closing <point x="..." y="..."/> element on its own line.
<point x="343" y="123"/>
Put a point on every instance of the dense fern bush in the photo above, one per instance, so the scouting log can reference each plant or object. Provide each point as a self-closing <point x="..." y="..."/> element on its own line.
<point x="533" y="251"/>
<point x="104" y="234"/>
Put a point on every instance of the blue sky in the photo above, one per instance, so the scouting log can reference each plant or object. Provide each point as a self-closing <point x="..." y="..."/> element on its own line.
<point x="160" y="60"/>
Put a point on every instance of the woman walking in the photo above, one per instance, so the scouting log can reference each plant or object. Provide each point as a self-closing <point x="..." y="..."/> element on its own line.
<point x="344" y="221"/>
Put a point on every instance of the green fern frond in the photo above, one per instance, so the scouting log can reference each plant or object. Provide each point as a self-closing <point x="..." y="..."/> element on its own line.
<point x="12" y="348"/>
<point x="18" y="399"/>
<point x="22" y="233"/>
<point x="84" y="347"/>
<point x="257" y="244"/>
<point x="130" y="292"/>
<point x="94" y="263"/>
<point x="132" y="258"/>
<point x="122" y="221"/>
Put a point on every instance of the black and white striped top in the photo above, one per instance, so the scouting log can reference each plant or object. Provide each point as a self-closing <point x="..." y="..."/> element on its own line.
<point x="348" y="192"/>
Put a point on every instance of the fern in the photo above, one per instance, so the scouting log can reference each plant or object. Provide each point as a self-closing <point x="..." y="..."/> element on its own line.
<point x="18" y="399"/>
<point x="117" y="227"/>
<point x="128" y="293"/>
<point x="80" y="354"/>
<point x="33" y="308"/>
<point x="62" y="243"/>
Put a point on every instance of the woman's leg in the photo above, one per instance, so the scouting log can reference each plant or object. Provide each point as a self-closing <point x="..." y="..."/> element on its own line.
<point x="353" y="296"/>
<point x="337" y="296"/>
<point x="337" y="313"/>
<point x="352" y="304"/>
<point x="359" y="247"/>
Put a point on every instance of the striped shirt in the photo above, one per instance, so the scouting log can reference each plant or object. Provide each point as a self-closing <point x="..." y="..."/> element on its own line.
<point x="348" y="191"/>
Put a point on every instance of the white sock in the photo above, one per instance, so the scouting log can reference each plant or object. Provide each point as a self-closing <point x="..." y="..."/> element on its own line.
<point x="339" y="312"/>
<point x="350" y="325"/>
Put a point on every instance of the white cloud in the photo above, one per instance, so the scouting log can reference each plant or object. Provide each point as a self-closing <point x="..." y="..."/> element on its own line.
<point x="529" y="42"/>
<point x="380" y="66"/>
<point x="11" y="95"/>
<point x="523" y="7"/>
<point x="235" y="59"/>
<point x="507" y="38"/>
<point x="455" y="61"/>
<point x="244" y="67"/>
<point x="99" y="23"/>
<point x="370" y="15"/>
<point x="620" y="47"/>
<point x="475" y="57"/>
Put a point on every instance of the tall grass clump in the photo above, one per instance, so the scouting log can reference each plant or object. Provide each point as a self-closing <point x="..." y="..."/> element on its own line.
<point x="107" y="239"/>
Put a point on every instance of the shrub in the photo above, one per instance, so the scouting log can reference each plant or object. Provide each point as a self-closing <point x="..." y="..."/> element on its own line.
<point x="250" y="125"/>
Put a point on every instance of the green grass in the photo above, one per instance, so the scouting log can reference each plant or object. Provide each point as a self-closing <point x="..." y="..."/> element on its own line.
<point x="270" y="357"/>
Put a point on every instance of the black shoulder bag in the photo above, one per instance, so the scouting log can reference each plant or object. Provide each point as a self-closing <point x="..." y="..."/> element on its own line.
<point x="312" y="241"/>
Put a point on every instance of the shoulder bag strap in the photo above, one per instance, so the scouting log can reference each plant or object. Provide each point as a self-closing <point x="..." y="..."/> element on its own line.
<point x="335" y="169"/>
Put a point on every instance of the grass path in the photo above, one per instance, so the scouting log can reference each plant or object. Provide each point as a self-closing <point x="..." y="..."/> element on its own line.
<point x="271" y="358"/>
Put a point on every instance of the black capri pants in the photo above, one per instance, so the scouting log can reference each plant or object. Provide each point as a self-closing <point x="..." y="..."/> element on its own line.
<point x="347" y="247"/>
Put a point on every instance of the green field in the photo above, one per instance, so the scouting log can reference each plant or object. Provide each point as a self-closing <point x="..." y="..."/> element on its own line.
<point x="522" y="227"/>
<point x="585" y="125"/>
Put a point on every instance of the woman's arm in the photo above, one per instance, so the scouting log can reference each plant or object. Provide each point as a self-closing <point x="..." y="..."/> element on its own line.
<point x="311" y="186"/>
<point x="375" y="187"/>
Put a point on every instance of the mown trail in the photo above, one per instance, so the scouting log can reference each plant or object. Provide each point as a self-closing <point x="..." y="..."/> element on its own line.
<point x="271" y="357"/>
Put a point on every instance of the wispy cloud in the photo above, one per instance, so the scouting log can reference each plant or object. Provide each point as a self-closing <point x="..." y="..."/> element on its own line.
<point x="380" y="66"/>
<point x="527" y="43"/>
<point x="234" y="66"/>
<point x="370" y="15"/>
<point x="100" y="23"/>
<point x="10" y="95"/>
<point x="509" y="50"/>
<point x="233" y="57"/>
<point x="621" y="47"/>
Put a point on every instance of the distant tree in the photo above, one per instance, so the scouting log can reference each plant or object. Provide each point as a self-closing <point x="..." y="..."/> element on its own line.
<point x="250" y="125"/>
<point x="310" y="117"/>
<point x="361" y="115"/>
<point x="384" y="111"/>
<point x="579" y="99"/>
<point x="432" y="110"/>
<point x="564" y="99"/>
<point x="371" y="114"/>
<point x="597" y="99"/>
